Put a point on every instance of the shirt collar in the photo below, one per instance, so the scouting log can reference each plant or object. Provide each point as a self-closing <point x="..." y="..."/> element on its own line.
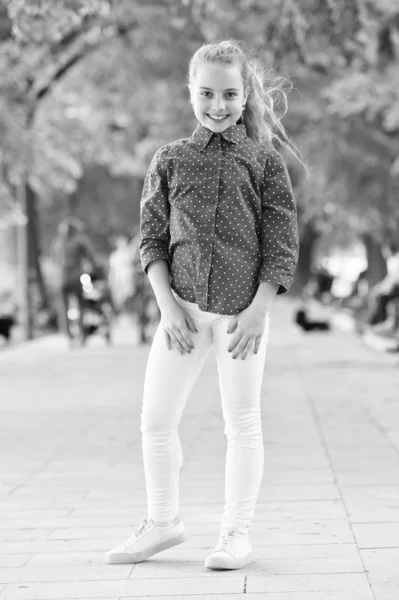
<point x="234" y="134"/>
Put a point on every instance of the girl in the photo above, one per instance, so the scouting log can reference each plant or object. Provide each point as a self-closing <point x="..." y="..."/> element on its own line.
<point x="218" y="241"/>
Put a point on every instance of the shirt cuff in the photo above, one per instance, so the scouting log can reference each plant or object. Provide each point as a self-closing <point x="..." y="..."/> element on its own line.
<point x="283" y="280"/>
<point x="149" y="257"/>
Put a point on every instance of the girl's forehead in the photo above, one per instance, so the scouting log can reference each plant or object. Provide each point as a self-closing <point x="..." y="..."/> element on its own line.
<point x="218" y="76"/>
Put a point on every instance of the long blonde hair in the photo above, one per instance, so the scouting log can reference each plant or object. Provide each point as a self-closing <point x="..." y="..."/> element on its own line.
<point x="259" y="116"/>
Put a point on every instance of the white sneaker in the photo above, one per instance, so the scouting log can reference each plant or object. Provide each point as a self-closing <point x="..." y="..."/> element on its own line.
<point x="146" y="540"/>
<point x="233" y="551"/>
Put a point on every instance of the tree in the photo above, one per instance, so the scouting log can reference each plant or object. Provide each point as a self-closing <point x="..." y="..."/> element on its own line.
<point x="49" y="40"/>
<point x="101" y="82"/>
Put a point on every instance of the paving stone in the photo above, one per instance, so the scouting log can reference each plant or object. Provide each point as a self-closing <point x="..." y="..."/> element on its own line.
<point x="64" y="522"/>
<point x="386" y="592"/>
<point x="322" y="509"/>
<point x="125" y="516"/>
<point x="136" y="587"/>
<point x="295" y="460"/>
<point x="46" y="546"/>
<point x="29" y="513"/>
<point x="295" y="532"/>
<point x="376" y="535"/>
<point x="298" y="476"/>
<point x="42" y="504"/>
<point x="30" y="497"/>
<point x="298" y="511"/>
<point x="341" y="595"/>
<point x="382" y="565"/>
<point x="86" y="482"/>
<point x="33" y="574"/>
<point x="374" y="501"/>
<point x="381" y="476"/>
<point x="311" y="583"/>
<point x="165" y="567"/>
<point x="314" y="531"/>
<point x="66" y="559"/>
<point x="304" y="551"/>
<point x="310" y="491"/>
<point x="100" y="512"/>
<point x="21" y="535"/>
<point x="87" y="533"/>
<point x="14" y="560"/>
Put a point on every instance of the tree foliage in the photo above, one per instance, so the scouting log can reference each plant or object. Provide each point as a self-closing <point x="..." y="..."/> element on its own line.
<point x="102" y="82"/>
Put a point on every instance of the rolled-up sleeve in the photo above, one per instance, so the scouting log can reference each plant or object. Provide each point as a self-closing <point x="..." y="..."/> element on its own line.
<point x="154" y="213"/>
<point x="280" y="241"/>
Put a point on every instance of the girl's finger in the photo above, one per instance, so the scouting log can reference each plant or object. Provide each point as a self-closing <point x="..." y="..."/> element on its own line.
<point x="234" y="342"/>
<point x="167" y="340"/>
<point x="233" y="324"/>
<point x="175" y="343"/>
<point x="184" y="340"/>
<point x="190" y="324"/>
<point x="240" y="347"/>
<point x="258" y="340"/>
<point x="249" y="348"/>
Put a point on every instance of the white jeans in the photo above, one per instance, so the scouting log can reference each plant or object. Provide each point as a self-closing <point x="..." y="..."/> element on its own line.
<point x="169" y="379"/>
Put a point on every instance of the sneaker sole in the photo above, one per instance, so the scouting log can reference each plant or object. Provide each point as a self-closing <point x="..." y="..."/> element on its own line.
<point x="130" y="558"/>
<point x="226" y="564"/>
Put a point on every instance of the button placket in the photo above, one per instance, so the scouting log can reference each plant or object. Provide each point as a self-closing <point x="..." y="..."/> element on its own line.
<point x="208" y="226"/>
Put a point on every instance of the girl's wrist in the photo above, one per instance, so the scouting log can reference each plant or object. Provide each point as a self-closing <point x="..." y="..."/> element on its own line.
<point x="166" y="303"/>
<point x="265" y="295"/>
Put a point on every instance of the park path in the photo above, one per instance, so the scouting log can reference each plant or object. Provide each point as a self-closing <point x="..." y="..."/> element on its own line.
<point x="72" y="484"/>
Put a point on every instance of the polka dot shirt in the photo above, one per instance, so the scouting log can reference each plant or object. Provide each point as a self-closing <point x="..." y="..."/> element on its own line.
<point x="221" y="210"/>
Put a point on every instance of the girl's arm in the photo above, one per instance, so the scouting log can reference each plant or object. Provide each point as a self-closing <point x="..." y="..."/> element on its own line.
<point x="279" y="257"/>
<point x="177" y="324"/>
<point x="158" y="274"/>
<point x="154" y="253"/>
<point x="280" y="239"/>
<point x="155" y="212"/>
<point x="264" y="296"/>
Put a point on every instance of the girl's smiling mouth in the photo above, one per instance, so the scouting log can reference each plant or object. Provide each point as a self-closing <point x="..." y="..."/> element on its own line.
<point x="218" y="117"/>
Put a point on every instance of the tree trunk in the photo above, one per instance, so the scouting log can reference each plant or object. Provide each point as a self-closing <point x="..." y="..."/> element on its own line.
<point x="308" y="237"/>
<point x="8" y="262"/>
<point x="35" y="272"/>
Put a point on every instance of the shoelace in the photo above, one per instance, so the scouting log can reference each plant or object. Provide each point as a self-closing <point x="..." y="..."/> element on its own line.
<point x="137" y="531"/>
<point x="226" y="540"/>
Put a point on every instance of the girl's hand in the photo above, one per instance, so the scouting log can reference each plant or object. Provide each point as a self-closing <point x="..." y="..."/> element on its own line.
<point x="177" y="326"/>
<point x="248" y="327"/>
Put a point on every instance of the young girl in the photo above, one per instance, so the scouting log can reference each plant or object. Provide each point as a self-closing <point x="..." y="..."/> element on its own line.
<point x="218" y="241"/>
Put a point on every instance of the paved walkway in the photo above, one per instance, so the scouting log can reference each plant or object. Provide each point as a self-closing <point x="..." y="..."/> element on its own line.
<point x="327" y="521"/>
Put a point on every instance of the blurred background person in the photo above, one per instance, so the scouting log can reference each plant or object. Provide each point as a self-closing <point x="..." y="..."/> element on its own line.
<point x="144" y="305"/>
<point x="7" y="314"/>
<point x="121" y="273"/>
<point x="74" y="255"/>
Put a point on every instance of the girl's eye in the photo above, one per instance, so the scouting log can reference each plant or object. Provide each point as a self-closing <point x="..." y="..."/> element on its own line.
<point x="231" y="95"/>
<point x="205" y="94"/>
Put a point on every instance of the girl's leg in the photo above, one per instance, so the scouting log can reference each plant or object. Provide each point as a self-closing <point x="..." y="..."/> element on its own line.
<point x="169" y="379"/>
<point x="240" y="385"/>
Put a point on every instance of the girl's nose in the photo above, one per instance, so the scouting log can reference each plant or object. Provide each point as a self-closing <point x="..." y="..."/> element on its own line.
<point x="218" y="103"/>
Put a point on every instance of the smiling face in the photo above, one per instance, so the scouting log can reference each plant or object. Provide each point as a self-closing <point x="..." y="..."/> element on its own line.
<point x="217" y="95"/>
